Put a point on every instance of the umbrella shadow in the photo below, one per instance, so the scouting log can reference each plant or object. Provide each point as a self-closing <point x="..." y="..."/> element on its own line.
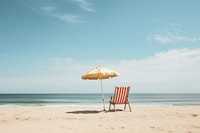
<point x="84" y="112"/>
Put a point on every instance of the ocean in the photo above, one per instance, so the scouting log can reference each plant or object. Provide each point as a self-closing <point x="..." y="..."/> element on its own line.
<point x="95" y="99"/>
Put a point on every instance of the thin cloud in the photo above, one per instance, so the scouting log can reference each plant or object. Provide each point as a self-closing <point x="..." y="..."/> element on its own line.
<point x="168" y="71"/>
<point x="186" y="57"/>
<point x="48" y="9"/>
<point x="170" y="38"/>
<point x="56" y="11"/>
<point x="175" y="24"/>
<point x="161" y="39"/>
<point x="173" y="34"/>
<point x="68" y="18"/>
<point x="187" y="39"/>
<point x="85" y="5"/>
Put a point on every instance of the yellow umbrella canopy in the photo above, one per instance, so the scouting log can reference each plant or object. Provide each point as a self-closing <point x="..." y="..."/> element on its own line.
<point x="100" y="73"/>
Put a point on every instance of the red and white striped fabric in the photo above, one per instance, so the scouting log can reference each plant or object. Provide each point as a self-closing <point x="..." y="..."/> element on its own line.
<point x="121" y="95"/>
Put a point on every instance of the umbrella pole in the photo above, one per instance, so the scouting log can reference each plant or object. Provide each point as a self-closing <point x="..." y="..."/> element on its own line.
<point x="102" y="96"/>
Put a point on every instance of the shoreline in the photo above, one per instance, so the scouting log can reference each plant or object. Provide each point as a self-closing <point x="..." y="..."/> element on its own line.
<point x="95" y="105"/>
<point x="90" y="119"/>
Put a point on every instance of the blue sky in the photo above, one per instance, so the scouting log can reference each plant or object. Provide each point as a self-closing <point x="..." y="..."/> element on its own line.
<point x="46" y="45"/>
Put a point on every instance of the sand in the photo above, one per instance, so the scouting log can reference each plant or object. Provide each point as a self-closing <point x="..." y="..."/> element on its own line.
<point x="166" y="119"/>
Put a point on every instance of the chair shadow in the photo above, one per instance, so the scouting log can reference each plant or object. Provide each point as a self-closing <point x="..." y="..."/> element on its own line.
<point x="84" y="112"/>
<point x="112" y="110"/>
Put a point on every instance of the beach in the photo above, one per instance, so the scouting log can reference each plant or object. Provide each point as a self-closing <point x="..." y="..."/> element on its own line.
<point x="90" y="119"/>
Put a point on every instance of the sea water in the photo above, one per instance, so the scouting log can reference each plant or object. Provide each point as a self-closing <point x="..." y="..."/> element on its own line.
<point x="95" y="99"/>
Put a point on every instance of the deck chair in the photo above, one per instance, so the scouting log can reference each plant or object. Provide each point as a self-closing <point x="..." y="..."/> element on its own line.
<point x="120" y="97"/>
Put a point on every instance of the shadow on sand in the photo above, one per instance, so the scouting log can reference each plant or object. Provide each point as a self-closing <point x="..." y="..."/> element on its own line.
<point x="112" y="110"/>
<point x="92" y="111"/>
<point x="85" y="112"/>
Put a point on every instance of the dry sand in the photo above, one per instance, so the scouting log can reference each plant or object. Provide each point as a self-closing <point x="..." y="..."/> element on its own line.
<point x="170" y="119"/>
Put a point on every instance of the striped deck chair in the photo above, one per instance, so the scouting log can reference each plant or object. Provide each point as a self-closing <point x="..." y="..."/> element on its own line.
<point x="120" y="97"/>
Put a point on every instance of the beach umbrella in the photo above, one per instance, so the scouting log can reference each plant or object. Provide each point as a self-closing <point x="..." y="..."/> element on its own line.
<point x="100" y="73"/>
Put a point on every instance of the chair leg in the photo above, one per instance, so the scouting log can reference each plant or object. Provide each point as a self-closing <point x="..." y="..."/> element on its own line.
<point x="129" y="107"/>
<point x="109" y="106"/>
<point x="114" y="107"/>
<point x="124" y="106"/>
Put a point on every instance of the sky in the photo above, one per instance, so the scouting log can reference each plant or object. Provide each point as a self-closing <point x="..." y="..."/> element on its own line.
<point x="47" y="45"/>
